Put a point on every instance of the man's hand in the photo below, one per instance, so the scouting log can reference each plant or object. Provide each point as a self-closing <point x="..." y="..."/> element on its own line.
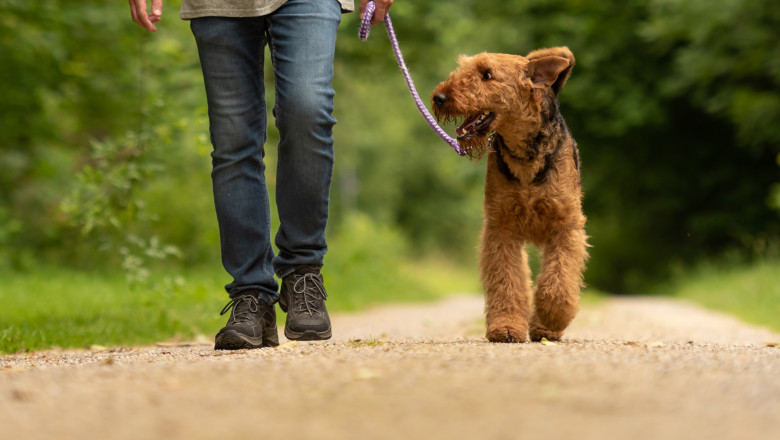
<point x="382" y="8"/>
<point x="142" y="18"/>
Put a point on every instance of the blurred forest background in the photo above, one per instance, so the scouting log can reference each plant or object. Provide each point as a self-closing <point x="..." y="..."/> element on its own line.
<point x="675" y="105"/>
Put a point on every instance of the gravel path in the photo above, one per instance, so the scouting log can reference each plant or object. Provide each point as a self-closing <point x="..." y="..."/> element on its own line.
<point x="630" y="368"/>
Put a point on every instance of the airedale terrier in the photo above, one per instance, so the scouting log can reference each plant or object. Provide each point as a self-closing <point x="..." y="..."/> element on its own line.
<point x="532" y="188"/>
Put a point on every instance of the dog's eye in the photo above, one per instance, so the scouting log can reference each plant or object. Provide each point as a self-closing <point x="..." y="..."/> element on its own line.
<point x="486" y="75"/>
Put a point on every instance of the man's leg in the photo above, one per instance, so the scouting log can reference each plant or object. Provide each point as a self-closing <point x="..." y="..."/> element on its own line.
<point x="231" y="54"/>
<point x="302" y="39"/>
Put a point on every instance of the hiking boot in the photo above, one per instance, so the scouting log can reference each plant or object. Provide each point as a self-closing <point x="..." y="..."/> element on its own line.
<point x="252" y="324"/>
<point x="303" y="298"/>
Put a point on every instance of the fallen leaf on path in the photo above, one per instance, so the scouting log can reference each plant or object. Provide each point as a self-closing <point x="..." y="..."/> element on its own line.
<point x="288" y="345"/>
<point x="366" y="374"/>
<point x="549" y="392"/>
<point x="544" y="341"/>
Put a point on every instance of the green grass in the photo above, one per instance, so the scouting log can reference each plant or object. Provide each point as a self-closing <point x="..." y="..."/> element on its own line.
<point x="61" y="308"/>
<point x="750" y="293"/>
<point x="370" y="342"/>
<point x="55" y="307"/>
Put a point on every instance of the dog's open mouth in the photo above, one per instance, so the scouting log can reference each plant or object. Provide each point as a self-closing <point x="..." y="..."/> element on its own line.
<point x="476" y="125"/>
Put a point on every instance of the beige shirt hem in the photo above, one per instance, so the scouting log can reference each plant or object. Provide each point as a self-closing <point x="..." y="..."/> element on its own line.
<point x="346" y="6"/>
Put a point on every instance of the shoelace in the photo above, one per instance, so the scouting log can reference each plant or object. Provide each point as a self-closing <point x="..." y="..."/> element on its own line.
<point x="241" y="314"/>
<point x="312" y="293"/>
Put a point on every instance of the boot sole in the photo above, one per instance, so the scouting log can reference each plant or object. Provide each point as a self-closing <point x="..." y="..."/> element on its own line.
<point x="232" y="340"/>
<point x="308" y="335"/>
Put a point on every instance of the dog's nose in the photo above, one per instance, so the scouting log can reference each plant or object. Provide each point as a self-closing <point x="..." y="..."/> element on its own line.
<point x="439" y="99"/>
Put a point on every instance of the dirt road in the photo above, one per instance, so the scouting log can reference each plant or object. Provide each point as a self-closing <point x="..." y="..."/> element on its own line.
<point x="630" y="368"/>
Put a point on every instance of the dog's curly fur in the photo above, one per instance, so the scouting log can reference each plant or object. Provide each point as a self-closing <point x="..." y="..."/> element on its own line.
<point x="509" y="104"/>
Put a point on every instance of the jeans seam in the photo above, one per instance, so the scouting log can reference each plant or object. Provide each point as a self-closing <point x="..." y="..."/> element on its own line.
<point x="272" y="50"/>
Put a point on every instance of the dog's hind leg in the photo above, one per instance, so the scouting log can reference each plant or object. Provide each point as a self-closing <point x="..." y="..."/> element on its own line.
<point x="557" y="294"/>
<point x="506" y="279"/>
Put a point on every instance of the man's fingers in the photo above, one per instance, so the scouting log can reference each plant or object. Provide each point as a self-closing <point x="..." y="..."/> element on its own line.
<point x="132" y="11"/>
<point x="157" y="6"/>
<point x="382" y="7"/>
<point x="138" y="12"/>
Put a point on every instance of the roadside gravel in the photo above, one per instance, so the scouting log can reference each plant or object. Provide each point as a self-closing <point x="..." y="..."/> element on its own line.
<point x="639" y="368"/>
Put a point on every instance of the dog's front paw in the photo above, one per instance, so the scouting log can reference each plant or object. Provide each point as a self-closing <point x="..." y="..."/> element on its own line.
<point x="507" y="333"/>
<point x="537" y="332"/>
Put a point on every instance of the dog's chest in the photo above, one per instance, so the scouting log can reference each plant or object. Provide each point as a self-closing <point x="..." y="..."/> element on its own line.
<point x="534" y="212"/>
<point x="531" y="208"/>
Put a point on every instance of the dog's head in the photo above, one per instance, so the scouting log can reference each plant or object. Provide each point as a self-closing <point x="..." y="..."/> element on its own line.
<point x="492" y="92"/>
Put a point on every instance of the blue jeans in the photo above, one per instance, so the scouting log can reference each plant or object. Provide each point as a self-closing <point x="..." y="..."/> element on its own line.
<point x="301" y="36"/>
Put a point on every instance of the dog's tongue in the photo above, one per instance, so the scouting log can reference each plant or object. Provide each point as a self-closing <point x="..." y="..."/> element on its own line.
<point x="465" y="127"/>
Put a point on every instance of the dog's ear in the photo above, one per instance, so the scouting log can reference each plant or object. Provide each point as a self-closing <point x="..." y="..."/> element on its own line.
<point x="547" y="65"/>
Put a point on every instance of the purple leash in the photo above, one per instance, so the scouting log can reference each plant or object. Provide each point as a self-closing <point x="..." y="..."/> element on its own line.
<point x="365" y="28"/>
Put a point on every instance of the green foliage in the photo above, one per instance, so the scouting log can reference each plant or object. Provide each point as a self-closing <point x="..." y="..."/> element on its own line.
<point x="728" y="62"/>
<point x="751" y="293"/>
<point x="105" y="187"/>
<point x="76" y="79"/>
<point x="674" y="105"/>
<point x="52" y="103"/>
<point x="369" y="262"/>
<point x="107" y="209"/>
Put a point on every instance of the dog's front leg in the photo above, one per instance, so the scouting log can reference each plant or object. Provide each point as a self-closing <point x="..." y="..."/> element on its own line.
<point x="557" y="294"/>
<point x="506" y="280"/>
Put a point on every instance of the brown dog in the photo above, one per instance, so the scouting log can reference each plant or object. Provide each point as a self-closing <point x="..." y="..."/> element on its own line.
<point x="532" y="189"/>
